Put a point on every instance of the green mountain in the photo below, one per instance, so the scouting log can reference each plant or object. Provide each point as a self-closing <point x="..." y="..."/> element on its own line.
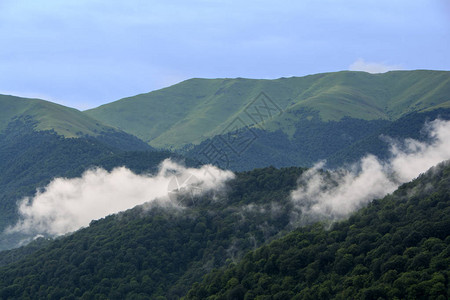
<point x="337" y="142"/>
<point x="31" y="158"/>
<point x="66" y="121"/>
<point x="146" y="253"/>
<point x="396" y="248"/>
<point x="40" y="140"/>
<point x="241" y="238"/>
<point x="197" y="109"/>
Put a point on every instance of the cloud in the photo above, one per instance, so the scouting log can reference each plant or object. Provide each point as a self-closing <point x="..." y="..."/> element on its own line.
<point x="372" y="67"/>
<point x="337" y="193"/>
<point x="66" y="205"/>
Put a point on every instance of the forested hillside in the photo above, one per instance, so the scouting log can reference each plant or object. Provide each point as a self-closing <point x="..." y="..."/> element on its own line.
<point x="30" y="159"/>
<point x="396" y="248"/>
<point x="338" y="142"/>
<point x="156" y="251"/>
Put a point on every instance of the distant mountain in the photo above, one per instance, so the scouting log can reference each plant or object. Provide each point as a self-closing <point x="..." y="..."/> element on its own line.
<point x="65" y="121"/>
<point x="337" y="142"/>
<point x="197" y="109"/>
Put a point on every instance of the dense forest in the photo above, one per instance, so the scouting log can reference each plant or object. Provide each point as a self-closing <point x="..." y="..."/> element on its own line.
<point x="241" y="241"/>
<point x="156" y="251"/>
<point x="396" y="248"/>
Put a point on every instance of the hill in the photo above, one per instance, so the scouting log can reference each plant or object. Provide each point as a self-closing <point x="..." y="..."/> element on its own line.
<point x="155" y="251"/>
<point x="396" y="247"/>
<point x="197" y="109"/>
<point x="337" y="142"/>
<point x="66" y="121"/>
<point x="31" y="158"/>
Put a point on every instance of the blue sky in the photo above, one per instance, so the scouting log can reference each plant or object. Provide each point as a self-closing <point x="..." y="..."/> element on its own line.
<point x="84" y="53"/>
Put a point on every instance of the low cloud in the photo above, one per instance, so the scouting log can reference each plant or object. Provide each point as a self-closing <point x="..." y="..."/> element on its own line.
<point x="66" y="205"/>
<point x="372" y="67"/>
<point x="337" y="193"/>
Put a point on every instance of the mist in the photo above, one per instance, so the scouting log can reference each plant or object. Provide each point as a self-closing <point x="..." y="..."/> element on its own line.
<point x="337" y="193"/>
<point x="67" y="205"/>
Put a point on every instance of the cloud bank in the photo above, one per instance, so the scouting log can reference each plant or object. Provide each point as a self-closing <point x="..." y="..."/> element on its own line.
<point x="66" y="205"/>
<point x="337" y="193"/>
<point x="372" y="67"/>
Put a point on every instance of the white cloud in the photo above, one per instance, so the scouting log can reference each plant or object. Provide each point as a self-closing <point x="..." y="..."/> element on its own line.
<point x="343" y="191"/>
<point x="69" y="204"/>
<point x="372" y="67"/>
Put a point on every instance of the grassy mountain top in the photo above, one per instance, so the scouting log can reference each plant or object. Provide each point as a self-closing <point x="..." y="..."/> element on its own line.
<point x="66" y="121"/>
<point x="195" y="109"/>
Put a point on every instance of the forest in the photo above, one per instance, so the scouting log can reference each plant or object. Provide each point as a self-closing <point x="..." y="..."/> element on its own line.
<point x="396" y="248"/>
<point x="157" y="251"/>
<point x="239" y="242"/>
<point x="312" y="140"/>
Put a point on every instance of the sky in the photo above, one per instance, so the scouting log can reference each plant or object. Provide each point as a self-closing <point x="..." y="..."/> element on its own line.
<point x="84" y="53"/>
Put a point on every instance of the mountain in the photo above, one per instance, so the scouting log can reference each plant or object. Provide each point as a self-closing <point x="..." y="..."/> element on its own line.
<point x="398" y="246"/>
<point x="338" y="142"/>
<point x="31" y="158"/>
<point x="412" y="125"/>
<point x="155" y="251"/>
<point x="197" y="109"/>
<point x="66" y="121"/>
<point x="40" y="140"/>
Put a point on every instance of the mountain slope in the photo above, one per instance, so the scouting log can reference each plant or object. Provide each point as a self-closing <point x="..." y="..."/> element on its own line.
<point x="30" y="159"/>
<point x="152" y="251"/>
<point x="397" y="248"/>
<point x="197" y="109"/>
<point x="337" y="142"/>
<point x="65" y="121"/>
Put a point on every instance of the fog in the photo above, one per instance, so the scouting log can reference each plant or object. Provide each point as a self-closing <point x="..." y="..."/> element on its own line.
<point x="66" y="205"/>
<point x="339" y="192"/>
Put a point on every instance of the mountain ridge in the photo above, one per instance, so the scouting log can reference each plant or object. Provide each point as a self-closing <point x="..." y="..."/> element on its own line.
<point x="64" y="120"/>
<point x="196" y="109"/>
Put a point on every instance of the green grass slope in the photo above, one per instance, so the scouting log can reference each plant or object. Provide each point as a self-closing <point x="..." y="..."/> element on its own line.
<point x="196" y="109"/>
<point x="66" y="121"/>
